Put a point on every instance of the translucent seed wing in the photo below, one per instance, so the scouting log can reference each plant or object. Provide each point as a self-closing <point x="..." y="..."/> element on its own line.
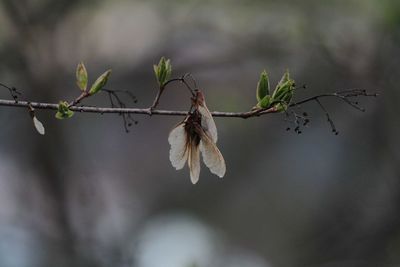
<point x="212" y="157"/>
<point x="178" y="153"/>
<point x="38" y="125"/>
<point x="207" y="122"/>
<point x="194" y="163"/>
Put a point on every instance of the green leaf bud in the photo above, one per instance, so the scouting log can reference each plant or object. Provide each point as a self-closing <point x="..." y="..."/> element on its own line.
<point x="81" y="76"/>
<point x="63" y="111"/>
<point x="262" y="86"/>
<point x="99" y="83"/>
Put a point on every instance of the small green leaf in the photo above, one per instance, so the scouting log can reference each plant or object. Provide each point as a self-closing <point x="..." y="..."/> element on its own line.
<point x="262" y="86"/>
<point x="156" y="71"/>
<point x="168" y="71"/>
<point x="163" y="71"/>
<point x="265" y="102"/>
<point x="283" y="94"/>
<point x="81" y="76"/>
<point x="99" y="83"/>
<point x="284" y="79"/>
<point x="63" y="111"/>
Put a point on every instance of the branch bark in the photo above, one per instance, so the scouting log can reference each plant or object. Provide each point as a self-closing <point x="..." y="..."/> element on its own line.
<point x="150" y="111"/>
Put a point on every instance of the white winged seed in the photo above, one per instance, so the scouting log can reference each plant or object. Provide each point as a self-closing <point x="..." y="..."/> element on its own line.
<point x="196" y="133"/>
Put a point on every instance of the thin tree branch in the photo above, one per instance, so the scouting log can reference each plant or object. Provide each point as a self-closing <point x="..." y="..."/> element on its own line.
<point x="163" y="87"/>
<point x="148" y="111"/>
<point x="126" y="117"/>
<point x="328" y="117"/>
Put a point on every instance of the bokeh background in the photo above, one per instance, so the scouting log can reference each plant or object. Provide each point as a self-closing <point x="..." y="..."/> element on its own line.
<point x="89" y="194"/>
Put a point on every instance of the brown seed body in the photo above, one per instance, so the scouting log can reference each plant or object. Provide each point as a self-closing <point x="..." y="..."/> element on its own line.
<point x="197" y="133"/>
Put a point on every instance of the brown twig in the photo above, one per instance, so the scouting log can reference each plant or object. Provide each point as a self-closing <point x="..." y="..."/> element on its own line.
<point x="164" y="86"/>
<point x="116" y="102"/>
<point x="148" y="111"/>
<point x="77" y="100"/>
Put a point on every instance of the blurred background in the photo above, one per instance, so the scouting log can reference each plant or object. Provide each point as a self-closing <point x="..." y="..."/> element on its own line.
<point x="89" y="194"/>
